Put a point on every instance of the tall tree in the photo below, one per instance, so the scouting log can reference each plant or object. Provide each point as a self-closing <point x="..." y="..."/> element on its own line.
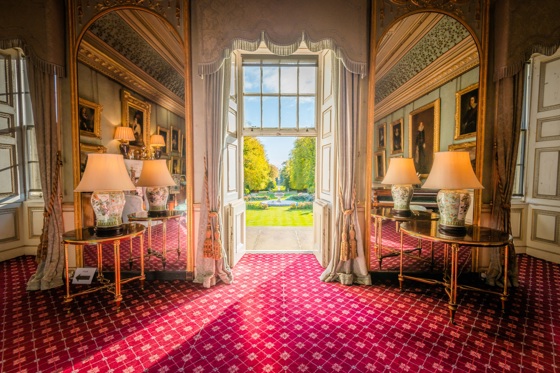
<point x="302" y="161"/>
<point x="256" y="166"/>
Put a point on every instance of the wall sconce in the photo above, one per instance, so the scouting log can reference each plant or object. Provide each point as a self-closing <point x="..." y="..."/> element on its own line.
<point x="106" y="176"/>
<point x="453" y="174"/>
<point x="157" y="142"/>
<point x="402" y="175"/>
<point x="124" y="135"/>
<point x="156" y="178"/>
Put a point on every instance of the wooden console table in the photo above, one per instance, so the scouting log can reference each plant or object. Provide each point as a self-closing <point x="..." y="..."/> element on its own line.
<point x="88" y="236"/>
<point x="476" y="236"/>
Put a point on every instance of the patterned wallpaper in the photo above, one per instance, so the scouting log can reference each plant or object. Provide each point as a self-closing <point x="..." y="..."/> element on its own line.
<point x="116" y="33"/>
<point x="445" y="35"/>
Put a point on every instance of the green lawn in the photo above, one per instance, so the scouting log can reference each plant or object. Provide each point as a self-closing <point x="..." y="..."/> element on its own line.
<point x="280" y="216"/>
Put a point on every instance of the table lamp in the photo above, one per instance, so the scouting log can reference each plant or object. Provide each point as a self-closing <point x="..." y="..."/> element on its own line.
<point x="453" y="174"/>
<point x="156" y="178"/>
<point x="124" y="135"/>
<point x="157" y="142"/>
<point x="106" y="176"/>
<point x="402" y="175"/>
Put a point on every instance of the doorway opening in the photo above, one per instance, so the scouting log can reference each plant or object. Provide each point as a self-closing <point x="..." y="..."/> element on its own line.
<point x="279" y="189"/>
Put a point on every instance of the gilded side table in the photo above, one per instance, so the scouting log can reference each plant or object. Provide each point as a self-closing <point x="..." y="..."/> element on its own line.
<point x="88" y="236"/>
<point x="476" y="236"/>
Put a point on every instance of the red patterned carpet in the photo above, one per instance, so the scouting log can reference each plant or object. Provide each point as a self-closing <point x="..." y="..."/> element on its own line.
<point x="278" y="317"/>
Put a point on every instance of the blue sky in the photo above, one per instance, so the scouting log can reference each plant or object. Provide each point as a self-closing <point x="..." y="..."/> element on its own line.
<point x="277" y="148"/>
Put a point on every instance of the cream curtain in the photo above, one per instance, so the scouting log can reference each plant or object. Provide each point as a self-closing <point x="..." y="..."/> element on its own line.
<point x="348" y="264"/>
<point x="211" y="258"/>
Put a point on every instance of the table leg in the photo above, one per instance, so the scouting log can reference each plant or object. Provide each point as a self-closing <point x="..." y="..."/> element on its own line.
<point x="504" y="295"/>
<point x="130" y="261"/>
<point x="453" y="282"/>
<point x="379" y="237"/>
<point x="149" y="237"/>
<point x="178" y="238"/>
<point x="99" y="262"/>
<point x="118" y="296"/>
<point x="142" y="276"/>
<point x="67" y="298"/>
<point x="164" y="248"/>
<point x="401" y="279"/>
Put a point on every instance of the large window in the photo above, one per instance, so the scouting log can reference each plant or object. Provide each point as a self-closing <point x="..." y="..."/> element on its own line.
<point x="19" y="164"/>
<point x="279" y="94"/>
<point x="519" y="182"/>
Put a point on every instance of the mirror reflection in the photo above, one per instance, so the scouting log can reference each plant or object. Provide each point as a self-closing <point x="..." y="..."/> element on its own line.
<point x="131" y="87"/>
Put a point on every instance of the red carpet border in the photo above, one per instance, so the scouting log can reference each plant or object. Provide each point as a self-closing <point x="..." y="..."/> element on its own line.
<point x="279" y="317"/>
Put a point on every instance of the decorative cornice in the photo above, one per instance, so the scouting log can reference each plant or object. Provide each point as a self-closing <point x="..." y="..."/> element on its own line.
<point x="462" y="58"/>
<point x="130" y="76"/>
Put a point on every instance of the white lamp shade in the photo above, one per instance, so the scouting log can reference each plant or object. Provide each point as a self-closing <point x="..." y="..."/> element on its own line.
<point x="157" y="140"/>
<point x="401" y="171"/>
<point x="105" y="172"/>
<point x="124" y="134"/>
<point x="452" y="170"/>
<point x="155" y="174"/>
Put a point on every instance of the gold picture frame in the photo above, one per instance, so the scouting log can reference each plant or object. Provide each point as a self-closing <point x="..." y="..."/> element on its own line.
<point x="89" y="118"/>
<point x="175" y="140"/>
<point x="466" y="112"/>
<point x="379" y="165"/>
<point x="164" y="132"/>
<point x="381" y="135"/>
<point x="397" y="136"/>
<point x="136" y="114"/>
<point x="86" y="149"/>
<point x="423" y="136"/>
<point x="466" y="147"/>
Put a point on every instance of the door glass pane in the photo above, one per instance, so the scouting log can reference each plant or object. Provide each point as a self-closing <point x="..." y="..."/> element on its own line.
<point x="288" y="117"/>
<point x="252" y="79"/>
<point x="307" y="80"/>
<point x="306" y="112"/>
<point x="289" y="80"/>
<point x="270" y="79"/>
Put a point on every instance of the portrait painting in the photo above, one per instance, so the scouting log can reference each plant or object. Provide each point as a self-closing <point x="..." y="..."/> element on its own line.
<point x="466" y="112"/>
<point x="136" y="114"/>
<point x="397" y="138"/>
<point x="379" y="165"/>
<point x="381" y="128"/>
<point x="424" y="136"/>
<point x="469" y="147"/>
<point x="164" y="132"/>
<point x="175" y="142"/>
<point x="89" y="118"/>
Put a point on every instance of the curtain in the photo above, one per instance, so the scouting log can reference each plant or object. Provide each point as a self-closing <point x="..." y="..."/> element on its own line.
<point x="348" y="264"/>
<point x="50" y="256"/>
<point x="211" y="258"/>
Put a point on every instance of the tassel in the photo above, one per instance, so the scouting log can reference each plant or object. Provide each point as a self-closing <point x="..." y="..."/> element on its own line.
<point x="353" y="243"/>
<point x="344" y="247"/>
<point x="208" y="241"/>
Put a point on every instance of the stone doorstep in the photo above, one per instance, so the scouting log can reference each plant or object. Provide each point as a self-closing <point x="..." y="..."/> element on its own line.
<point x="279" y="239"/>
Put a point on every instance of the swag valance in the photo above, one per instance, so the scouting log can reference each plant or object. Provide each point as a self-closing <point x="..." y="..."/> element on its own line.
<point x="222" y="26"/>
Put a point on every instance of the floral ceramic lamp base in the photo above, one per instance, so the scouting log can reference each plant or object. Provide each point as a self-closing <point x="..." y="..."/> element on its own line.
<point x="157" y="198"/>
<point x="108" y="207"/>
<point x="453" y="205"/>
<point x="402" y="195"/>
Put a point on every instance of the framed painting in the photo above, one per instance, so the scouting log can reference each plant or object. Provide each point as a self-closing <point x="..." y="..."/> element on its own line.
<point x="136" y="114"/>
<point x="466" y="147"/>
<point x="89" y="118"/>
<point x="164" y="132"/>
<point x="466" y="112"/>
<point x="170" y="164"/>
<point x="381" y="135"/>
<point x="379" y="165"/>
<point x="397" y="138"/>
<point x="175" y="143"/>
<point x="86" y="149"/>
<point x="176" y="165"/>
<point x="424" y="136"/>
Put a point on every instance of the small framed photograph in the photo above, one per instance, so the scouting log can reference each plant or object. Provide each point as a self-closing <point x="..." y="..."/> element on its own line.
<point x="164" y="132"/>
<point x="136" y="114"/>
<point x="466" y="147"/>
<point x="86" y="149"/>
<point x="175" y="144"/>
<point x="381" y="134"/>
<point x="466" y="112"/>
<point x="379" y="165"/>
<point x="176" y="165"/>
<point x="424" y="136"/>
<point x="89" y="118"/>
<point x="397" y="138"/>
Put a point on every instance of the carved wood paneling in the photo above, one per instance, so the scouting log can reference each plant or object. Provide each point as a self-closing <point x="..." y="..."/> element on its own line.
<point x="517" y="226"/>
<point x="549" y="86"/>
<point x="545" y="226"/>
<point x="547" y="170"/>
<point x="326" y="169"/>
<point x="8" y="168"/>
<point x="231" y="168"/>
<point x="9" y="227"/>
